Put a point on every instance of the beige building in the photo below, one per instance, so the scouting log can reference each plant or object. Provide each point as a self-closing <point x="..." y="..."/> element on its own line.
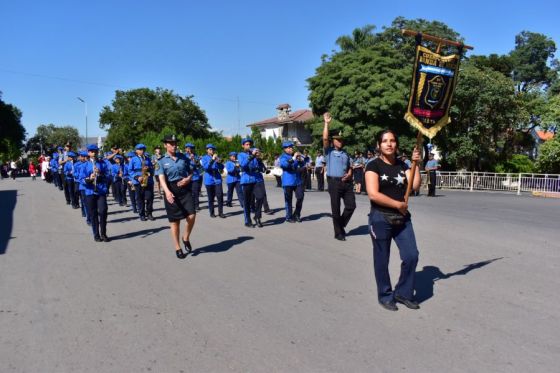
<point x="286" y="125"/>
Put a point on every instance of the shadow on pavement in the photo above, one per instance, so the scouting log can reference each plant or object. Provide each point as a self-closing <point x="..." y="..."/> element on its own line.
<point x="144" y="233"/>
<point x="359" y="231"/>
<point x="221" y="246"/>
<point x="316" y="216"/>
<point x="7" y="205"/>
<point x="426" y="278"/>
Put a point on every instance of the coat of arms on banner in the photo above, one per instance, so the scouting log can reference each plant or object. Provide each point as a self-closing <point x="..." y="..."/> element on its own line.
<point x="433" y="82"/>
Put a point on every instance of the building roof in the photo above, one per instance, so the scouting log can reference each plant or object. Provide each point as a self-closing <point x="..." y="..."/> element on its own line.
<point x="544" y="135"/>
<point x="299" y="116"/>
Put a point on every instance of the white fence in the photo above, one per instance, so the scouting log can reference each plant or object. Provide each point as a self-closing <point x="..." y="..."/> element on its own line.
<point x="493" y="181"/>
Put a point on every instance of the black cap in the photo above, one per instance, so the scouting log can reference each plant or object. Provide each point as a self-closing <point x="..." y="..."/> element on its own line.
<point x="170" y="138"/>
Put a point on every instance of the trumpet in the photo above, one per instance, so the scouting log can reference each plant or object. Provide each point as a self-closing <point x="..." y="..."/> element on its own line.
<point x="95" y="175"/>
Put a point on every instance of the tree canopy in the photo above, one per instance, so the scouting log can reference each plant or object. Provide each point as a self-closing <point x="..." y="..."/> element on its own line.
<point x="13" y="132"/>
<point x="135" y="113"/>
<point x="365" y="85"/>
<point x="49" y="136"/>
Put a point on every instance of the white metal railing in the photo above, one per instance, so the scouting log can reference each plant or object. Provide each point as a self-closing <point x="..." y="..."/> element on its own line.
<point x="509" y="182"/>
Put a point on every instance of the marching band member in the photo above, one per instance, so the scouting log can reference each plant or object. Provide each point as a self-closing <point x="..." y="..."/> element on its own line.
<point x="129" y="181"/>
<point x="175" y="175"/>
<point x="196" y="183"/>
<point x="95" y="175"/>
<point x="117" y="176"/>
<point x="249" y="168"/>
<point x="213" y="167"/>
<point x="232" y="180"/>
<point x="142" y="178"/>
<point x="81" y="184"/>
<point x="293" y="165"/>
<point x="68" y="170"/>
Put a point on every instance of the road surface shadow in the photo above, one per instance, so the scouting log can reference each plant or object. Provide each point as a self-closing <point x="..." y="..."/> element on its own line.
<point x="144" y="233"/>
<point x="221" y="246"/>
<point x="359" y="231"/>
<point x="316" y="216"/>
<point x="426" y="278"/>
<point x="8" y="200"/>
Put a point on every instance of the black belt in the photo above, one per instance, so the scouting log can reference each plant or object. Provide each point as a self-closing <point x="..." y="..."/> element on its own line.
<point x="334" y="178"/>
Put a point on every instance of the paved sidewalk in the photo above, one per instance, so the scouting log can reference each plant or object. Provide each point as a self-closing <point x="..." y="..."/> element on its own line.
<point x="285" y="298"/>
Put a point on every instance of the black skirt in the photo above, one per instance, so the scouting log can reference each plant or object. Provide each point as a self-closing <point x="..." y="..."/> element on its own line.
<point x="183" y="205"/>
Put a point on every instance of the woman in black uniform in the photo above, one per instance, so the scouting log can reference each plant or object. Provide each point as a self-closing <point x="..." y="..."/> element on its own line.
<point x="175" y="175"/>
<point x="386" y="180"/>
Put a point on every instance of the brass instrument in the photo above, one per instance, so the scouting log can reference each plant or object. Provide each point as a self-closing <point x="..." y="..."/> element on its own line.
<point x="95" y="174"/>
<point x="145" y="173"/>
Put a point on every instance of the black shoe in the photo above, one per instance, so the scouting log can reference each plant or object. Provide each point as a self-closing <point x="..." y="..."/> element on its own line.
<point x="105" y="238"/>
<point x="151" y="217"/>
<point x="198" y="209"/>
<point x="408" y="303"/>
<point x="97" y="239"/>
<point x="212" y="215"/>
<point x="249" y="225"/>
<point x="259" y="224"/>
<point x="391" y="306"/>
<point x="290" y="220"/>
<point x="340" y="237"/>
<point x="143" y="218"/>
<point x="188" y="247"/>
<point x="180" y="254"/>
<point x="229" y="205"/>
<point x="135" y="211"/>
<point x="298" y="218"/>
<point x="269" y="212"/>
<point x="222" y="216"/>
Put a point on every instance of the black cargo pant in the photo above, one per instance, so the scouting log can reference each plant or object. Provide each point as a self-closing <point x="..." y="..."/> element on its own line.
<point x="341" y="190"/>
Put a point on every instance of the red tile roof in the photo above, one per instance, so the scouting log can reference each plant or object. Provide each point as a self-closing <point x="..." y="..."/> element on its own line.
<point x="543" y="135"/>
<point x="297" y="116"/>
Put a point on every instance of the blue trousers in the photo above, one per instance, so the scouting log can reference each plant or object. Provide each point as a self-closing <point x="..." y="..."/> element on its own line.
<point x="144" y="199"/>
<point x="230" y="188"/>
<point x="217" y="192"/>
<point x="288" y="193"/>
<point x="382" y="233"/>
<point x="85" y="211"/>
<point x="196" y="185"/>
<point x="97" y="207"/>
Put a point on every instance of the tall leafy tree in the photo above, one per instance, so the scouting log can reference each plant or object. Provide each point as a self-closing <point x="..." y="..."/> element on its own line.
<point x="366" y="83"/>
<point x="13" y="132"/>
<point x="50" y="135"/>
<point x="136" y="112"/>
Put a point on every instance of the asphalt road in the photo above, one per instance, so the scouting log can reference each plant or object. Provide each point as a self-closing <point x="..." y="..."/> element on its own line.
<point x="283" y="298"/>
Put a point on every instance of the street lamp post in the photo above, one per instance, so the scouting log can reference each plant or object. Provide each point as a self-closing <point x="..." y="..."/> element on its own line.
<point x="85" y="103"/>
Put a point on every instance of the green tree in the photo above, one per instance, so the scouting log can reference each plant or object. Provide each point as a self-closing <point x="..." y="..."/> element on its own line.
<point x="484" y="115"/>
<point x="49" y="136"/>
<point x="365" y="85"/>
<point x="548" y="160"/>
<point x="135" y="113"/>
<point x="13" y="132"/>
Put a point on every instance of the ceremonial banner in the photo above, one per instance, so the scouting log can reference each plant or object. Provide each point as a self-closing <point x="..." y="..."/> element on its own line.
<point x="433" y="83"/>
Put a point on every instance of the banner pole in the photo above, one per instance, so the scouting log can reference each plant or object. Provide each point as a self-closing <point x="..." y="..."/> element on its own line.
<point x="435" y="39"/>
<point x="413" y="168"/>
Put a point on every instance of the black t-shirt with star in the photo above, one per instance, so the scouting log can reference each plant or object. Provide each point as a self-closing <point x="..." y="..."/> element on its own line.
<point x="392" y="180"/>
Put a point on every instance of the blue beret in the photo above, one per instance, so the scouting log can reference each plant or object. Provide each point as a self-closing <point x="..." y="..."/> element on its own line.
<point x="253" y="149"/>
<point x="140" y="146"/>
<point x="210" y="146"/>
<point x="55" y="155"/>
<point x="71" y="154"/>
<point x="232" y="153"/>
<point x="118" y="156"/>
<point x="130" y="154"/>
<point x="287" y="144"/>
<point x="60" y="148"/>
<point x="83" y="153"/>
<point x="92" y="148"/>
<point x="189" y="145"/>
<point x="246" y="139"/>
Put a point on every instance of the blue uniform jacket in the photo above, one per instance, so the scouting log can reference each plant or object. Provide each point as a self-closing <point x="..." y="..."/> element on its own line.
<point x="212" y="171"/>
<point x="195" y="165"/>
<point x="87" y="169"/>
<point x="135" y="169"/>
<point x="291" y="176"/>
<point x="249" y="167"/>
<point x="259" y="177"/>
<point x="78" y="174"/>
<point x="115" y="169"/>
<point x="68" y="170"/>
<point x="233" y="172"/>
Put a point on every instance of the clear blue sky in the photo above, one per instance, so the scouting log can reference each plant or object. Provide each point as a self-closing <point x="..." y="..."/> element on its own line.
<point x="258" y="51"/>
